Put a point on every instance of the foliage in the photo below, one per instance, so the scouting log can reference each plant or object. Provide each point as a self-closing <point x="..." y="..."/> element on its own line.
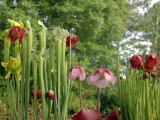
<point x="139" y="95"/>
<point x="98" y="24"/>
<point x="143" y="27"/>
<point x="3" y="110"/>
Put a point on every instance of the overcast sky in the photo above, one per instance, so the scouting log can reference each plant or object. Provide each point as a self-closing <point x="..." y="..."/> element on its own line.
<point x="142" y="11"/>
<point x="129" y="48"/>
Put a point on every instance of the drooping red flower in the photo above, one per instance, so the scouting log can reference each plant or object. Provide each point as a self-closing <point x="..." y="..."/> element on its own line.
<point x="38" y="94"/>
<point x="50" y="94"/>
<point x="150" y="69"/>
<point x="151" y="63"/>
<point x="15" y="33"/>
<point x="77" y="71"/>
<point x="101" y="76"/>
<point x="74" y="39"/>
<point x="86" y="114"/>
<point x="151" y="60"/>
<point x="113" y="116"/>
<point x="136" y="61"/>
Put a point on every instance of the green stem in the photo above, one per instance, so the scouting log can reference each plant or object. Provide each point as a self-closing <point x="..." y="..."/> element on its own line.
<point x="52" y="50"/>
<point x="27" y="67"/>
<point x="59" y="77"/>
<point x="65" y="100"/>
<point x="35" y="88"/>
<point x="70" y="51"/>
<point x="147" y="102"/>
<point x="42" y="86"/>
<point x="64" y="79"/>
<point x="13" y="101"/>
<point x="17" y="93"/>
<point x="6" y="59"/>
<point x="49" y="86"/>
<point x="23" y="58"/>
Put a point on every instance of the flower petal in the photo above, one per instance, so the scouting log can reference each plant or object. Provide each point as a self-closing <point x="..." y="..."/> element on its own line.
<point x="13" y="23"/>
<point x="73" y="43"/>
<point x="71" y="77"/>
<point x="82" y="76"/>
<point x="19" y="34"/>
<point x="75" y="72"/>
<point x="82" y="69"/>
<point x="21" y="24"/>
<point x="151" y="60"/>
<point x="8" y="75"/>
<point x="73" y="38"/>
<point x="111" y="116"/>
<point x="102" y="83"/>
<point x="111" y="78"/>
<point x="86" y="114"/>
<point x="4" y="64"/>
<point x="95" y="76"/>
<point x="136" y="61"/>
<point x="89" y="81"/>
<point x="18" y="75"/>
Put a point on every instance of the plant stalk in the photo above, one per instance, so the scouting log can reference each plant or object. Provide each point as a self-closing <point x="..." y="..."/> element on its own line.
<point x="80" y="95"/>
<point x="98" y="101"/>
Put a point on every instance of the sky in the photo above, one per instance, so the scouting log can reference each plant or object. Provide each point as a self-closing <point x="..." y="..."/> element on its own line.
<point x="134" y="34"/>
<point x="142" y="11"/>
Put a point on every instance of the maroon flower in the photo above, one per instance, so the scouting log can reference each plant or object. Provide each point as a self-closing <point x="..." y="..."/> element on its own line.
<point x="136" y="61"/>
<point x="77" y="71"/>
<point x="50" y="94"/>
<point x="86" y="114"/>
<point x="113" y="116"/>
<point x="150" y="69"/>
<point x="38" y="94"/>
<point x="15" y="33"/>
<point x="151" y="60"/>
<point x="74" y="39"/>
<point x="151" y="63"/>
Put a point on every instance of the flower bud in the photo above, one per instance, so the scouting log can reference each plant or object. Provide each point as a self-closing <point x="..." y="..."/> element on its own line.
<point x="38" y="94"/>
<point x="136" y="61"/>
<point x="145" y="75"/>
<point x="73" y="38"/>
<point x="154" y="75"/>
<point x="151" y="63"/>
<point x="50" y="94"/>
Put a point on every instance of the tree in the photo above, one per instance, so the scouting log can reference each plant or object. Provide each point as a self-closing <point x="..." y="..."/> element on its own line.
<point x="99" y="25"/>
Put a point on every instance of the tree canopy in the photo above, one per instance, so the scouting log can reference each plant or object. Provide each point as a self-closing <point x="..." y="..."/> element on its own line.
<point x="99" y="24"/>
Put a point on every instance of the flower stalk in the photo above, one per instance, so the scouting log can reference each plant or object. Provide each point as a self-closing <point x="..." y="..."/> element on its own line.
<point x="80" y="95"/>
<point x="98" y="101"/>
<point x="34" y="63"/>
